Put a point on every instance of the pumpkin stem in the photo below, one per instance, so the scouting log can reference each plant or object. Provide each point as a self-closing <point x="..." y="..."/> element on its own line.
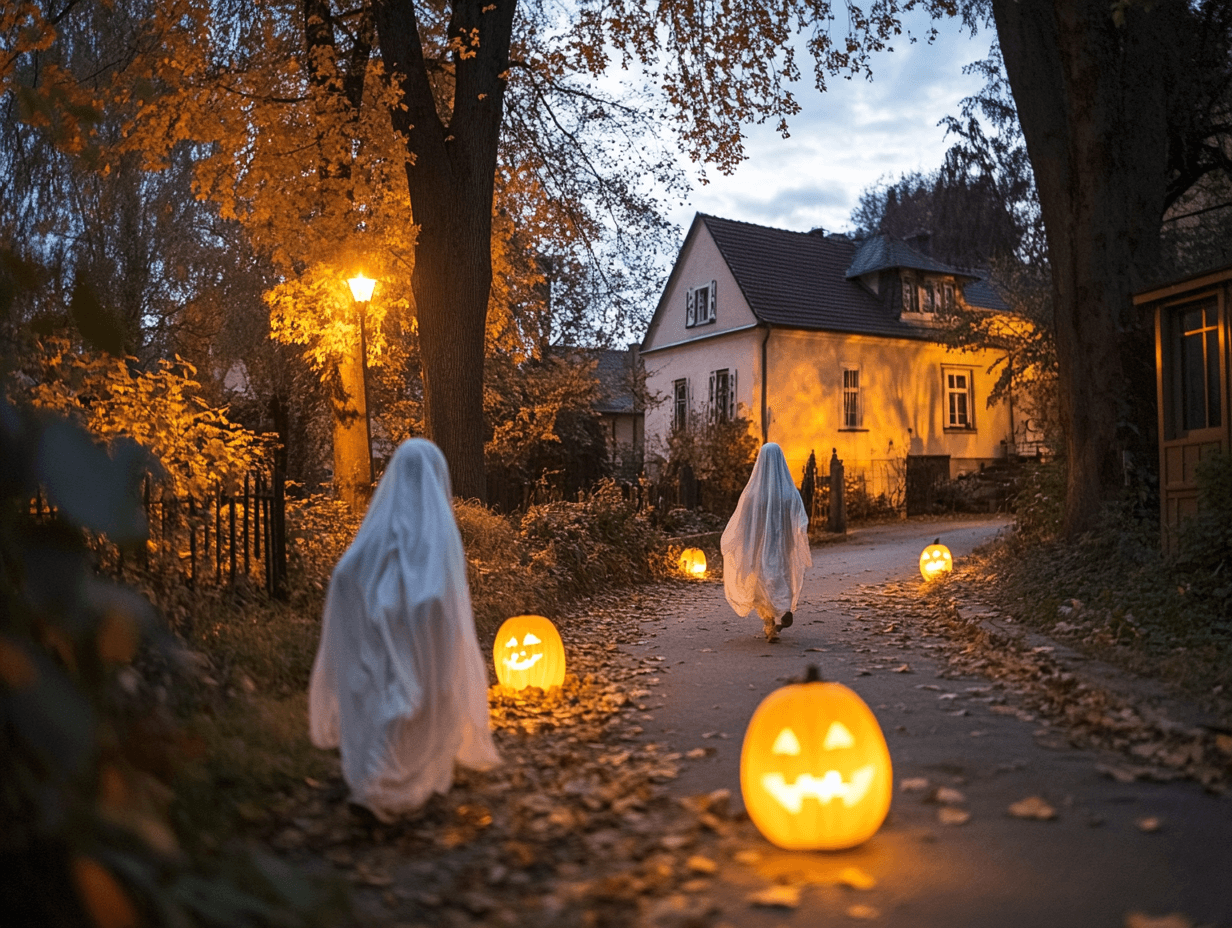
<point x="812" y="674"/>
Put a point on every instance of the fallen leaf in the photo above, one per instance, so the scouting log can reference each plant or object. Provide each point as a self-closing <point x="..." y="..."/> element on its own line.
<point x="947" y="796"/>
<point x="1224" y="743"/>
<point x="1032" y="807"/>
<point x="699" y="864"/>
<point x="783" y="897"/>
<point x="1149" y="824"/>
<point x="1142" y="920"/>
<point x="855" y="878"/>
<point x="747" y="857"/>
<point x="698" y="753"/>
<point x="913" y="784"/>
<point x="863" y="912"/>
<point x="903" y="668"/>
<point x="948" y="815"/>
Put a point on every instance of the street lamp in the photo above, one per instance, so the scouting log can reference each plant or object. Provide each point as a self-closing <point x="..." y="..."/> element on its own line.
<point x="361" y="290"/>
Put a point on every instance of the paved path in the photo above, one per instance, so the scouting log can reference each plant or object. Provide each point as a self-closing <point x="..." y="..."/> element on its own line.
<point x="1089" y="867"/>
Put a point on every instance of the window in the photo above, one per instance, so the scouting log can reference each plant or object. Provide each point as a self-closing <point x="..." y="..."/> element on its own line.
<point x="722" y="396"/>
<point x="959" y="398"/>
<point x="911" y="302"/>
<point x="700" y="305"/>
<point x="947" y="300"/>
<point x="1196" y="382"/>
<point x="680" y="403"/>
<point x="852" y="418"/>
<point x="928" y="298"/>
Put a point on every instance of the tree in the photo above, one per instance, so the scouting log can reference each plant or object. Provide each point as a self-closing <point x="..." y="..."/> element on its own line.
<point x="1123" y="109"/>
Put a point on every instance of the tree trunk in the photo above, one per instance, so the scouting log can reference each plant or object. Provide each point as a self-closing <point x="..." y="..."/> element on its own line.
<point x="352" y="463"/>
<point x="1091" y="100"/>
<point x="450" y="171"/>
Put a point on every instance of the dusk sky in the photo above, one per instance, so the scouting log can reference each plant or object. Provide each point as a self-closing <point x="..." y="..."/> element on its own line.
<point x="849" y="137"/>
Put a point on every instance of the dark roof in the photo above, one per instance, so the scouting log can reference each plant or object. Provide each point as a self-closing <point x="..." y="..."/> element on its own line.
<point x="612" y="369"/>
<point x="804" y="280"/>
<point x="984" y="295"/>
<point x="883" y="253"/>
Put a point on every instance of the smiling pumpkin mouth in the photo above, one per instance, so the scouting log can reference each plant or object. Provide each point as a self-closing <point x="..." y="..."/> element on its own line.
<point x="826" y="788"/>
<point x="514" y="664"/>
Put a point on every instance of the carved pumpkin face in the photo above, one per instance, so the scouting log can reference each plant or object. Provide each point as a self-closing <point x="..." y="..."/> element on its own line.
<point x="935" y="561"/>
<point x="528" y="652"/>
<point x="815" y="771"/>
<point x="693" y="562"/>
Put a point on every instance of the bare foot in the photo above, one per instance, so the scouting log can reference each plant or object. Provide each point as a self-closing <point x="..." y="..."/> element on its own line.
<point x="771" y="630"/>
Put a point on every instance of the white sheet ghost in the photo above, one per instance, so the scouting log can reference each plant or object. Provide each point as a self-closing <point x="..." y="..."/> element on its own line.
<point x="399" y="683"/>
<point x="765" y="545"/>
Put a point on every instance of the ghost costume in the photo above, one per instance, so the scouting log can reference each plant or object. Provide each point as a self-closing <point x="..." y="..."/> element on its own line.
<point x="399" y="684"/>
<point x="765" y="545"/>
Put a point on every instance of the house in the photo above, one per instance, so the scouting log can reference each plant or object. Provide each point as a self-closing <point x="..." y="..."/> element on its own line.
<point x="824" y="343"/>
<point x="1191" y="385"/>
<point x="620" y="408"/>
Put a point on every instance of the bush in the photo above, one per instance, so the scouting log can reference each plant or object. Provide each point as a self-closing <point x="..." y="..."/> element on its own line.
<point x="1039" y="504"/>
<point x="600" y="541"/>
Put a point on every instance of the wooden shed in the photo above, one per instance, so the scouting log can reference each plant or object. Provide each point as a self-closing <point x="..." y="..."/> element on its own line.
<point x="1192" y="385"/>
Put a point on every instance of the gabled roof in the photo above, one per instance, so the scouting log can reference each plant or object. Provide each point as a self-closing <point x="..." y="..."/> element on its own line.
<point x="798" y="280"/>
<point x="883" y="253"/>
<point x="613" y="370"/>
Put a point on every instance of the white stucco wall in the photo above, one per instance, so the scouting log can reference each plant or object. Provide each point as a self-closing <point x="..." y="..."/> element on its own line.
<point x="699" y="263"/>
<point x="902" y="395"/>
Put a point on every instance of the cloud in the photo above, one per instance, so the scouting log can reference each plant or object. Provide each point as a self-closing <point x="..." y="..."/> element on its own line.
<point x="856" y="133"/>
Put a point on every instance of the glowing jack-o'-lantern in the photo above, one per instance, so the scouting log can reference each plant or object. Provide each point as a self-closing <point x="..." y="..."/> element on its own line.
<point x="693" y="562"/>
<point x="528" y="652"/>
<point x="935" y="561"/>
<point x="815" y="772"/>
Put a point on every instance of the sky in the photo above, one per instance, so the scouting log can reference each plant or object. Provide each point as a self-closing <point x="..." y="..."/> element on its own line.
<point x="848" y="138"/>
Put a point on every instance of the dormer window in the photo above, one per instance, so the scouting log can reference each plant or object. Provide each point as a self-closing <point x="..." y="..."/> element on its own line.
<point x="700" y="305"/>
<point x="928" y="297"/>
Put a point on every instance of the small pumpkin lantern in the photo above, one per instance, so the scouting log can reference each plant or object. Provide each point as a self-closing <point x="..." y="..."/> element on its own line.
<point x="935" y="561"/>
<point x="693" y="562"/>
<point x="815" y="772"/>
<point x="528" y="652"/>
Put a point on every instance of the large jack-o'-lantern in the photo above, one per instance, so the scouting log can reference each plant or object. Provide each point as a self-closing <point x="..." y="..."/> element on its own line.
<point x="528" y="652"/>
<point x="815" y="772"/>
<point x="693" y="562"/>
<point x="935" y="561"/>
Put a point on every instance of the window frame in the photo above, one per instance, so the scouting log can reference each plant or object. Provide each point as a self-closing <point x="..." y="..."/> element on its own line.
<point x="948" y="392"/>
<point x="855" y="390"/>
<point x="680" y="403"/>
<point x="1172" y="351"/>
<point x="701" y="305"/>
<point x="722" y="404"/>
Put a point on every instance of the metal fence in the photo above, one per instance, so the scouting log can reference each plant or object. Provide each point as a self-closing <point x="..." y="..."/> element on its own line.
<point x="219" y="538"/>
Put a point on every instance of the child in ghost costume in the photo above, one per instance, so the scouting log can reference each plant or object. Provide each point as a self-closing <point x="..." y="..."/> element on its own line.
<point x="399" y="683"/>
<point x="765" y="545"/>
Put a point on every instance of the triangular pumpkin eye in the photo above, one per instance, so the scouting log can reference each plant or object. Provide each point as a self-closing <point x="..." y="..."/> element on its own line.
<point x="786" y="743"/>
<point x="531" y="638"/>
<point x="838" y="737"/>
<point x="512" y="642"/>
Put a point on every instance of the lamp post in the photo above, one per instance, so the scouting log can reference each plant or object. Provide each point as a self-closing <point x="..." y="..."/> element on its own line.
<point x="361" y="290"/>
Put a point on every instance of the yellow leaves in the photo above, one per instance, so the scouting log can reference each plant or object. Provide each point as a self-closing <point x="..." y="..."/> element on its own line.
<point x="102" y="895"/>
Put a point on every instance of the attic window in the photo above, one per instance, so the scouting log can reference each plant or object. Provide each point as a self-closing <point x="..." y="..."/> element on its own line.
<point x="700" y="305"/>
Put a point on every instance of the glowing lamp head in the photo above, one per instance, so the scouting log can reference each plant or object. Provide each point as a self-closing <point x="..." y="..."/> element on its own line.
<point x="361" y="288"/>
<point x="528" y="652"/>
<point x="815" y="772"/>
<point x="935" y="561"/>
<point x="693" y="562"/>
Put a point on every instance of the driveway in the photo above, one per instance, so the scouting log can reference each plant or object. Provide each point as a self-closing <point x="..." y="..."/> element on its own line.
<point x="1112" y="853"/>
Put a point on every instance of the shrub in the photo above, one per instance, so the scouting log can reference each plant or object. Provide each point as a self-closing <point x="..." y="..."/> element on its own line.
<point x="1039" y="504"/>
<point x="601" y="540"/>
<point x="721" y="455"/>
